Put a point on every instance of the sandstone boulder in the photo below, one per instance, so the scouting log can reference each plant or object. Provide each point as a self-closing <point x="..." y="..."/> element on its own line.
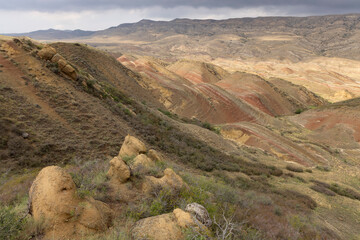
<point x="47" y="52"/>
<point x="57" y="57"/>
<point x="70" y="71"/>
<point x="53" y="199"/>
<point x="163" y="227"/>
<point x="183" y="219"/>
<point x="200" y="213"/>
<point x="132" y="147"/>
<point x="170" y="180"/>
<point x="119" y="172"/>
<point x="155" y="155"/>
<point x="62" y="63"/>
<point x="142" y="162"/>
<point x="168" y="226"/>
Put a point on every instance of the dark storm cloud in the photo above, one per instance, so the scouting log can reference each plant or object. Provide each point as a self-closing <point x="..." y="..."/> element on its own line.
<point x="325" y="6"/>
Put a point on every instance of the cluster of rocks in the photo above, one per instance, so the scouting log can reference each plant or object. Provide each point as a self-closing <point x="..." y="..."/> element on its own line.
<point x="141" y="161"/>
<point x="50" y="54"/>
<point x="53" y="199"/>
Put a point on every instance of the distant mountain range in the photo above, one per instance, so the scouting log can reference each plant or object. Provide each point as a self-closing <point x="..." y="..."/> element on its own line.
<point x="293" y="38"/>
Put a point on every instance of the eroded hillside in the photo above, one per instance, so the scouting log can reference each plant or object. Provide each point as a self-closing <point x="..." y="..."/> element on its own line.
<point x="271" y="176"/>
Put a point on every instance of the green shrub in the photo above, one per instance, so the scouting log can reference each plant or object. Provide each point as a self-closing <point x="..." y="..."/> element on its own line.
<point x="129" y="160"/>
<point x="294" y="168"/>
<point x="323" y="168"/>
<point x="344" y="191"/>
<point x="54" y="67"/>
<point x="11" y="224"/>
<point x="322" y="189"/>
<point x="298" y="111"/>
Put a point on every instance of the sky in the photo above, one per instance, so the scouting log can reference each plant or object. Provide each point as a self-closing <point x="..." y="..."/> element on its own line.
<point x="19" y="16"/>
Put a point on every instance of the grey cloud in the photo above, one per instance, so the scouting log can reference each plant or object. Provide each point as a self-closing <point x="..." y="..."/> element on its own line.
<point x="320" y="6"/>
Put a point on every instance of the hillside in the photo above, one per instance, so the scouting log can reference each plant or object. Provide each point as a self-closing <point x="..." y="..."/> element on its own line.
<point x="76" y="109"/>
<point x="318" y="52"/>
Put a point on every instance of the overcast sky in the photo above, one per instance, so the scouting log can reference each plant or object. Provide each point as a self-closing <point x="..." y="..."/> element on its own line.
<point x="30" y="15"/>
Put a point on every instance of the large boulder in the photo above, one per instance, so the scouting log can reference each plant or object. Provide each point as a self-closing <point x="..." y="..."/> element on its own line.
<point x="119" y="172"/>
<point x="200" y="213"/>
<point x="53" y="199"/>
<point x="163" y="227"/>
<point x="47" y="52"/>
<point x="170" y="180"/>
<point x="132" y="147"/>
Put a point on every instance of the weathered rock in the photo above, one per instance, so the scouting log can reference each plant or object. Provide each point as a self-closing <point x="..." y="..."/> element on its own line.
<point x="166" y="226"/>
<point x="25" y="135"/>
<point x="57" y="57"/>
<point x="142" y="162"/>
<point x="155" y="155"/>
<point x="70" y="71"/>
<point x="89" y="219"/>
<point x="53" y="199"/>
<point x="200" y="213"/>
<point x="47" y="52"/>
<point x="183" y="218"/>
<point x="170" y="180"/>
<point x="132" y="147"/>
<point x="62" y="63"/>
<point x="162" y="227"/>
<point x="119" y="172"/>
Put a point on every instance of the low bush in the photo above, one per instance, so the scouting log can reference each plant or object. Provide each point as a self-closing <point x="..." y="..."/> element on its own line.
<point x="54" y="67"/>
<point x="323" y="168"/>
<point x="294" y="168"/>
<point x="298" y="111"/>
<point x="344" y="191"/>
<point x="322" y="189"/>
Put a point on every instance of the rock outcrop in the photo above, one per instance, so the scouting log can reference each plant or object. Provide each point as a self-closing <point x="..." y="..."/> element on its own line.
<point x="163" y="227"/>
<point x="49" y="53"/>
<point x="200" y="213"/>
<point x="70" y="71"/>
<point x="132" y="147"/>
<point x="53" y="199"/>
<point x="170" y="180"/>
<point x="119" y="172"/>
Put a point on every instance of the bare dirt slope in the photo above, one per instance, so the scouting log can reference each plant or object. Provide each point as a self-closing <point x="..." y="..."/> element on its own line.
<point x="336" y="125"/>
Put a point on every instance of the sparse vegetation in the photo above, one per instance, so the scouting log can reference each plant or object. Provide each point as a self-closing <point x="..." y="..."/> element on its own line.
<point x="294" y="168"/>
<point x="344" y="191"/>
<point x="90" y="179"/>
<point x="322" y="188"/>
<point x="11" y="223"/>
<point x="323" y="168"/>
<point x="54" y="67"/>
<point x="298" y="111"/>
